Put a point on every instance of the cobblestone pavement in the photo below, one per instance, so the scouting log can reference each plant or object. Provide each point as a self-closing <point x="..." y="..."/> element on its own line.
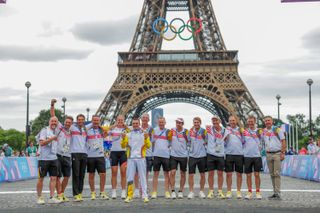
<point x="297" y="196"/>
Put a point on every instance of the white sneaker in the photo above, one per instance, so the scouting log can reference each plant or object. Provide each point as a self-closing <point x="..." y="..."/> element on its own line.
<point x="180" y="195"/>
<point x="173" y="195"/>
<point x="54" y="200"/>
<point x="40" y="201"/>
<point x="190" y="195"/>
<point x="123" y="194"/>
<point x="202" y="195"/>
<point x="114" y="194"/>
<point x="136" y="193"/>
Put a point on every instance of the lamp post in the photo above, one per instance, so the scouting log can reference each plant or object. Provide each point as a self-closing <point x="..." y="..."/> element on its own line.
<point x="28" y="85"/>
<point x="310" y="82"/>
<point x="88" y="110"/>
<point x="278" y="98"/>
<point x="64" y="99"/>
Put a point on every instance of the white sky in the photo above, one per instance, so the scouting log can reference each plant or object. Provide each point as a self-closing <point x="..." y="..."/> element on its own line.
<point x="279" y="49"/>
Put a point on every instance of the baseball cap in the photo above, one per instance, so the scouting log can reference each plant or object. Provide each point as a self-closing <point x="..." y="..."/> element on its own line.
<point x="180" y="120"/>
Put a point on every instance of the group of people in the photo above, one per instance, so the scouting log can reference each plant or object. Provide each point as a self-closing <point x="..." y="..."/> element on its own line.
<point x="7" y="151"/>
<point x="140" y="149"/>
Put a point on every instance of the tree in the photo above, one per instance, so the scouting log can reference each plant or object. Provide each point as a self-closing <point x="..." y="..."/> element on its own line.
<point x="13" y="137"/>
<point x="43" y="120"/>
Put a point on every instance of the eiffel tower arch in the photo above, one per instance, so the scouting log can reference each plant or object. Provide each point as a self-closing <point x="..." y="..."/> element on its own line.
<point x="206" y="76"/>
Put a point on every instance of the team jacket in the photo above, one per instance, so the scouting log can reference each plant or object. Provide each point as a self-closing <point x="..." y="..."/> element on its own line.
<point x="136" y="144"/>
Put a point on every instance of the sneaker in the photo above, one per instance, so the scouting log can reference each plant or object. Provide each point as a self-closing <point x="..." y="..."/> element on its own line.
<point x="239" y="195"/>
<point x="190" y="195"/>
<point x="80" y="196"/>
<point x="258" y="196"/>
<point x="40" y="201"/>
<point x="123" y="194"/>
<point x="93" y="195"/>
<point x="114" y="194"/>
<point x="248" y="196"/>
<point x="202" y="195"/>
<point x="60" y="197"/>
<point x="167" y="195"/>
<point x="154" y="195"/>
<point x="173" y="195"/>
<point x="77" y="198"/>
<point x="272" y="196"/>
<point x="54" y="200"/>
<point x="104" y="196"/>
<point x="128" y="199"/>
<point x="180" y="195"/>
<point x="229" y="195"/>
<point x="210" y="194"/>
<point x="221" y="195"/>
<point x="136" y="193"/>
<point x="146" y="200"/>
<point x="277" y="197"/>
<point x="65" y="199"/>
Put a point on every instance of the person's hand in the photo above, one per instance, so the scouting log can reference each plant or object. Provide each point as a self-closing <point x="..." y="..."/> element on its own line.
<point x="53" y="138"/>
<point x="123" y="135"/>
<point x="53" y="101"/>
<point x="282" y="156"/>
<point x="146" y="135"/>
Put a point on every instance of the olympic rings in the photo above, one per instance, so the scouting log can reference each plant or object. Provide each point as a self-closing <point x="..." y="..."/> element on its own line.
<point x="174" y="36"/>
<point x="200" y="24"/>
<point x="160" y="26"/>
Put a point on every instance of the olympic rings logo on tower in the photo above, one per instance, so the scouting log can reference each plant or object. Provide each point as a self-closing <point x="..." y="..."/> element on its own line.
<point x="161" y="26"/>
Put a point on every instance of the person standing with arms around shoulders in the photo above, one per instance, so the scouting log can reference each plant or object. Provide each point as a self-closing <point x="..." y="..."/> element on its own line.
<point x="78" y="149"/>
<point x="136" y="142"/>
<point x="118" y="157"/>
<point x="48" y="161"/>
<point x="178" y="156"/>
<point x="161" y="140"/>
<point x="63" y="154"/>
<point x="252" y="156"/>
<point x="275" y="145"/>
<point x="215" y="155"/>
<point x="197" y="156"/>
<point x="96" y="160"/>
<point x="234" y="156"/>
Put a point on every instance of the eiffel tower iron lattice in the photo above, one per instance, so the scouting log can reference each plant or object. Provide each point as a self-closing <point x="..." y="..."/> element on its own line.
<point x="206" y="76"/>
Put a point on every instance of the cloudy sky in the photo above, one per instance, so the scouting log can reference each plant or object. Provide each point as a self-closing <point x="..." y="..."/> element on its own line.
<point x="69" y="48"/>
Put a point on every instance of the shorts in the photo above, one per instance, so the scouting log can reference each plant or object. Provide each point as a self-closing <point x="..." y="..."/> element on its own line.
<point x="118" y="158"/>
<point x="201" y="163"/>
<point x="45" y="166"/>
<point x="215" y="163"/>
<point x="234" y="163"/>
<point x="149" y="163"/>
<point x="98" y="163"/>
<point x="174" y="161"/>
<point x="158" y="162"/>
<point x="64" y="168"/>
<point x="252" y="164"/>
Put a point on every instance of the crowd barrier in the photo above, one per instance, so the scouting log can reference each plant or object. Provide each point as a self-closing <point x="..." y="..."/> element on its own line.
<point x="21" y="168"/>
<point x="299" y="166"/>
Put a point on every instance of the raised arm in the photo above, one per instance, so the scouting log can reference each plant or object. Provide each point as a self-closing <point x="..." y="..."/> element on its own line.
<point x="52" y="113"/>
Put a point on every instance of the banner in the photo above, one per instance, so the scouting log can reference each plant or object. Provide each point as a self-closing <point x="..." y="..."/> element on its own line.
<point x="299" y="166"/>
<point x="21" y="168"/>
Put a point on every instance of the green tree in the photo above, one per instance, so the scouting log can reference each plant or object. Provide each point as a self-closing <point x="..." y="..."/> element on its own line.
<point x="14" y="138"/>
<point x="43" y="120"/>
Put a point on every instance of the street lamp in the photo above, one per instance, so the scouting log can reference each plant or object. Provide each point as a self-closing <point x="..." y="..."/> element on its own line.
<point x="88" y="110"/>
<point x="310" y="82"/>
<point x="28" y="85"/>
<point x="278" y="98"/>
<point x="64" y="99"/>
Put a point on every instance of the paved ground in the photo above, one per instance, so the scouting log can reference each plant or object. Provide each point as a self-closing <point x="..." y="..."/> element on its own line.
<point x="297" y="196"/>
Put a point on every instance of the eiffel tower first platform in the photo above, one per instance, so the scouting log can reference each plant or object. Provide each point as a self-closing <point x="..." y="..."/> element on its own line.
<point x="206" y="76"/>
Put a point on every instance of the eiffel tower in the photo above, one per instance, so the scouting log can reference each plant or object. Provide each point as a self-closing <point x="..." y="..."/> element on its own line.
<point x="206" y="76"/>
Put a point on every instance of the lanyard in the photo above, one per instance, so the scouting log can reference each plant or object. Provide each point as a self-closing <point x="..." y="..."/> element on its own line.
<point x="252" y="136"/>
<point x="221" y="133"/>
